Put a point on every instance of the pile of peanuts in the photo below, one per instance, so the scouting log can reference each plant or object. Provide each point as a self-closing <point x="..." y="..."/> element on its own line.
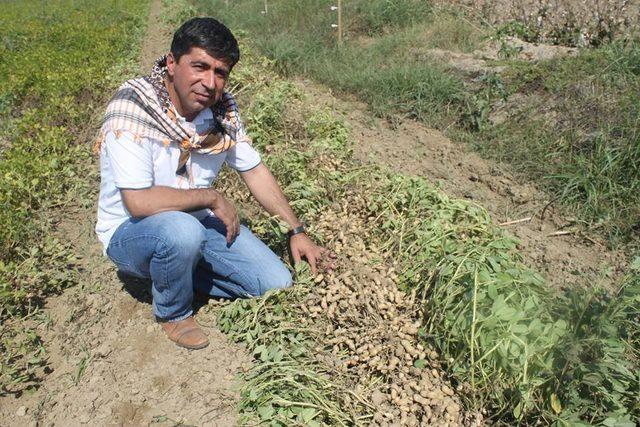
<point x="369" y="329"/>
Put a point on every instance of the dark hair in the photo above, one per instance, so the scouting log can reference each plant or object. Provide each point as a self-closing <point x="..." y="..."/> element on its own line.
<point x="208" y="34"/>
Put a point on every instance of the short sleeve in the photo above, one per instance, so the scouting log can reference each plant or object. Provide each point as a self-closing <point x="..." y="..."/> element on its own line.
<point x="130" y="159"/>
<point x="242" y="156"/>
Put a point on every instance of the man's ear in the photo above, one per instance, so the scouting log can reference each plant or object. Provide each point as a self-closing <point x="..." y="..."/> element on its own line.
<point x="171" y="63"/>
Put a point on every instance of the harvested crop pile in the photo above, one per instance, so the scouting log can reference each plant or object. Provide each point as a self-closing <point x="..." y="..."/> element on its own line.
<point x="362" y="336"/>
<point x="372" y="329"/>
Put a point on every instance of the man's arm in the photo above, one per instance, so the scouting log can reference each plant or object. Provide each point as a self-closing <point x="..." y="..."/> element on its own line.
<point x="156" y="199"/>
<point x="265" y="189"/>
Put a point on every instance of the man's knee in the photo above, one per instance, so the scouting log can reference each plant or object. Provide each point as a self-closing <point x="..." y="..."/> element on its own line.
<point x="278" y="277"/>
<point x="181" y="235"/>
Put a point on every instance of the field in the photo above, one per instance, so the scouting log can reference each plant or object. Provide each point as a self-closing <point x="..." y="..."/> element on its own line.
<point x="435" y="314"/>
<point x="58" y="66"/>
<point x="566" y="123"/>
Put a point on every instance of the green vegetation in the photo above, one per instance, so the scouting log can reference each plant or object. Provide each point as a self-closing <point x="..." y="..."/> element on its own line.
<point x="574" y="130"/>
<point x="59" y="60"/>
<point x="514" y="348"/>
<point x="523" y="353"/>
<point x="571" y="123"/>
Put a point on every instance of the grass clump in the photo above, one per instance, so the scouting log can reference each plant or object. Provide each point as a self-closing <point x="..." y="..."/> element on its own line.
<point x="571" y="126"/>
<point x="57" y="64"/>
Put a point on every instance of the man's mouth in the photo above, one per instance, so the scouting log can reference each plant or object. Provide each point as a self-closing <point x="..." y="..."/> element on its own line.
<point x="203" y="96"/>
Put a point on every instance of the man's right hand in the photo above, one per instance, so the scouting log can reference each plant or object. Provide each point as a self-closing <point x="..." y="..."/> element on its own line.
<point x="226" y="212"/>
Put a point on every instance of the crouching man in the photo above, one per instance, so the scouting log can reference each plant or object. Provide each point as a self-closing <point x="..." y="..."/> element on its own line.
<point x="163" y="141"/>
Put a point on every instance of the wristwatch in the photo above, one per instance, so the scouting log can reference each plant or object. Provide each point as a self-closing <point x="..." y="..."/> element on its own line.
<point x="299" y="229"/>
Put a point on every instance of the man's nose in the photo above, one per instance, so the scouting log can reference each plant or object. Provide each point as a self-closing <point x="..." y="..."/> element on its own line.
<point x="209" y="80"/>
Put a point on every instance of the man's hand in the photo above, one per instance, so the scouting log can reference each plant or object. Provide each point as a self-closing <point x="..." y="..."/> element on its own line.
<point x="226" y="212"/>
<point x="267" y="192"/>
<point x="317" y="257"/>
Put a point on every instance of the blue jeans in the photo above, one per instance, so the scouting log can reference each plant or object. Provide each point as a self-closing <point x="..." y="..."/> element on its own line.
<point x="180" y="254"/>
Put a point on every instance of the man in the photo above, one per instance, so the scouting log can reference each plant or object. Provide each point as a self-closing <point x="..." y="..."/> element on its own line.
<point x="163" y="141"/>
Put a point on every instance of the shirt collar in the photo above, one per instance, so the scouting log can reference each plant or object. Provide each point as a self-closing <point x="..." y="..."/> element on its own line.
<point x="203" y="116"/>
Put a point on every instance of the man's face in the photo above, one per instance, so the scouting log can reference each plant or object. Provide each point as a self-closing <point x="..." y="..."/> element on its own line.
<point x="196" y="81"/>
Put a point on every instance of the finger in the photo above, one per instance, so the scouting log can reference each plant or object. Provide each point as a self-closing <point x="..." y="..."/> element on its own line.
<point x="236" y="230"/>
<point x="327" y="253"/>
<point x="230" y="230"/>
<point x="311" y="259"/>
<point x="296" y="256"/>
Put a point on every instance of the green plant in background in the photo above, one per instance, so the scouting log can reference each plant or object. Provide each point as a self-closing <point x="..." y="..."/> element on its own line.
<point x="585" y="158"/>
<point x="58" y="63"/>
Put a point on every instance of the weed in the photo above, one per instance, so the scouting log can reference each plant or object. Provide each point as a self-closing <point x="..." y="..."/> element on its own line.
<point x="49" y="88"/>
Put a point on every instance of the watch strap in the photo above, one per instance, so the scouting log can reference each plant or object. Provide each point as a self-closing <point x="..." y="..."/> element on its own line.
<point x="299" y="229"/>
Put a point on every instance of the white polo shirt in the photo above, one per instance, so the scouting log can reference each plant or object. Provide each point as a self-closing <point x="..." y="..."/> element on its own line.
<point x="129" y="164"/>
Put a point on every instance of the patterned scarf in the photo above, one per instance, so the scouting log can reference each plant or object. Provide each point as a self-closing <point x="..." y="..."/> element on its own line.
<point x="142" y="106"/>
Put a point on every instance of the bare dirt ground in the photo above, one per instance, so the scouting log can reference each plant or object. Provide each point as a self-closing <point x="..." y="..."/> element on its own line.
<point x="483" y="59"/>
<point x="111" y="363"/>
<point x="411" y="148"/>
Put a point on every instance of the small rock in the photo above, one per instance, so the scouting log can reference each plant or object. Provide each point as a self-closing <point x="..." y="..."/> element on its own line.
<point x="377" y="397"/>
<point x="103" y="350"/>
<point x="21" y="412"/>
<point x="150" y="329"/>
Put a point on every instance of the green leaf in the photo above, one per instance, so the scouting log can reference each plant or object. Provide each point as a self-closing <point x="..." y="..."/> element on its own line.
<point x="265" y="412"/>
<point x="308" y="414"/>
<point x="492" y="291"/>
<point x="420" y="363"/>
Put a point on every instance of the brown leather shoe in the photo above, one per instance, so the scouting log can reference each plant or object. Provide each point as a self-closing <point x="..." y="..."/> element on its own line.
<point x="186" y="333"/>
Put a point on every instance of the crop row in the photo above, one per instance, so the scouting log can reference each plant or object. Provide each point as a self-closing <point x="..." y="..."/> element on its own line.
<point x="58" y="61"/>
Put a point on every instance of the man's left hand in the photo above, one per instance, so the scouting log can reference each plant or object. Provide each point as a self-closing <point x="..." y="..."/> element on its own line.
<point x="317" y="257"/>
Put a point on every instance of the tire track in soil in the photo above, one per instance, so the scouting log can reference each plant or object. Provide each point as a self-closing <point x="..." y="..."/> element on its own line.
<point x="112" y="364"/>
<point x="411" y="148"/>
